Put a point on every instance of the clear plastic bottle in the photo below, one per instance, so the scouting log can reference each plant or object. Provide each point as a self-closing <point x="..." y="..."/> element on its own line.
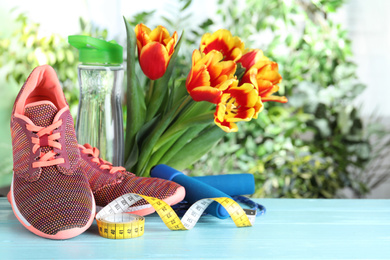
<point x="99" y="118"/>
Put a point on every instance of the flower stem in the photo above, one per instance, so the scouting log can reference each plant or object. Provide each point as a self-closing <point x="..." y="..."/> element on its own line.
<point x="183" y="104"/>
<point x="150" y="91"/>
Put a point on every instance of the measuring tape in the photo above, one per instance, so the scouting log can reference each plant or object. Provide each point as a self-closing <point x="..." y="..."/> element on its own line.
<point x="113" y="223"/>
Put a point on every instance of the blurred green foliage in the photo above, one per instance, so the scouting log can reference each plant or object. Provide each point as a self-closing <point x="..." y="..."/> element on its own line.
<point x="317" y="144"/>
<point x="26" y="49"/>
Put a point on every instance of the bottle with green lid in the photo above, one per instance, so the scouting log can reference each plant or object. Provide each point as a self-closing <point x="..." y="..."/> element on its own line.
<point x="99" y="118"/>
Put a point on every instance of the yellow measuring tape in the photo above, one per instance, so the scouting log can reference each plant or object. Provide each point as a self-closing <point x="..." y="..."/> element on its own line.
<point x="115" y="224"/>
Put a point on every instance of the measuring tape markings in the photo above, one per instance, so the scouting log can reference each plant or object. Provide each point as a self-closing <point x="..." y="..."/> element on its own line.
<point x="114" y="224"/>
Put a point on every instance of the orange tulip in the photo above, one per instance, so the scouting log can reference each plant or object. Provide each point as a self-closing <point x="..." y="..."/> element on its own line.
<point x="155" y="49"/>
<point x="209" y="76"/>
<point x="238" y="103"/>
<point x="263" y="74"/>
<point x="224" y="42"/>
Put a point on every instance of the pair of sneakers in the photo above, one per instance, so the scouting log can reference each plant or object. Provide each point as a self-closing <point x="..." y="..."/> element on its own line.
<point x="58" y="183"/>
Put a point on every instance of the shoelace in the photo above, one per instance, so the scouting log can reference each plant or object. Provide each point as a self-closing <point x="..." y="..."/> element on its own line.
<point x="103" y="164"/>
<point x="46" y="138"/>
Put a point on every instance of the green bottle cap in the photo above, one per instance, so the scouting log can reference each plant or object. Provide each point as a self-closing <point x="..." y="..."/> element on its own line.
<point x="93" y="50"/>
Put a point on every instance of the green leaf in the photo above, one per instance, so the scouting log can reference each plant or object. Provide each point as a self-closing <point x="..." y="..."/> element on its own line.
<point x="82" y="24"/>
<point x="194" y="110"/>
<point x="195" y="149"/>
<point x="151" y="140"/>
<point x="183" y="140"/>
<point x="206" y="24"/>
<point x="132" y="159"/>
<point x="142" y="17"/>
<point x="191" y="114"/>
<point x="344" y="121"/>
<point x="157" y="155"/>
<point x="204" y="118"/>
<point x="186" y="5"/>
<point x="178" y="91"/>
<point x="136" y="108"/>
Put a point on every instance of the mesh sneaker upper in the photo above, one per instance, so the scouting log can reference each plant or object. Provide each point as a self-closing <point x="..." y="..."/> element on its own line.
<point x="107" y="186"/>
<point x="54" y="203"/>
<point x="42" y="114"/>
<point x="51" y="198"/>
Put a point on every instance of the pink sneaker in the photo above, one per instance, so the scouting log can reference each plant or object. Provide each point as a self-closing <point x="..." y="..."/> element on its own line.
<point x="49" y="193"/>
<point x="108" y="183"/>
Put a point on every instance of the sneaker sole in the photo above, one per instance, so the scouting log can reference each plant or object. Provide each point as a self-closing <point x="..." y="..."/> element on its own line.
<point x="64" y="234"/>
<point x="172" y="200"/>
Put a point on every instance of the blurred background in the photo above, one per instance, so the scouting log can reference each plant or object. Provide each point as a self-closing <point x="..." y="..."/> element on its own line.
<point x="332" y="140"/>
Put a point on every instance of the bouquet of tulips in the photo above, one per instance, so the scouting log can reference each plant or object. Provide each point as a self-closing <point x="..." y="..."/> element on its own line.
<point x="174" y="124"/>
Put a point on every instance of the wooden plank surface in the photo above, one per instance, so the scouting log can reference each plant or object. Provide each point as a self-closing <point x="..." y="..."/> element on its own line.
<point x="291" y="229"/>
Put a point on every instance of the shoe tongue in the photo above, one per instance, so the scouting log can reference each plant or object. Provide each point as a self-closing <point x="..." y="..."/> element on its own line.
<point x="41" y="113"/>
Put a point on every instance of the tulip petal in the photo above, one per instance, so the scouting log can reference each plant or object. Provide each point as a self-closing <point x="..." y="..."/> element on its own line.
<point x="142" y="32"/>
<point x="270" y="72"/>
<point x="206" y="93"/>
<point x="262" y="74"/>
<point x="250" y="76"/>
<point x="251" y="58"/>
<point x="242" y="115"/>
<point x="275" y="99"/>
<point x="227" y="84"/>
<point x="237" y="103"/>
<point x="224" y="42"/>
<point x="228" y="127"/>
<point x="159" y="34"/>
<point x="209" y="71"/>
<point x="154" y="60"/>
<point x="223" y="124"/>
<point x="217" y="45"/>
<point x="246" y="95"/>
<point x="196" y="56"/>
<point x="219" y="70"/>
<point x="170" y="44"/>
<point x="198" y="76"/>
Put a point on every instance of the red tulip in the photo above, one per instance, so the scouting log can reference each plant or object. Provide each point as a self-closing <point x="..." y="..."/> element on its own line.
<point x="155" y="49"/>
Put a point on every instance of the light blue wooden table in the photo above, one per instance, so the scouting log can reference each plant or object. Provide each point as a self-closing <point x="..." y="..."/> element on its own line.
<point x="291" y="229"/>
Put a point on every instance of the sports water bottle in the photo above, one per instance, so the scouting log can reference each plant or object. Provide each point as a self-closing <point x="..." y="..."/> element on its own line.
<point x="99" y="118"/>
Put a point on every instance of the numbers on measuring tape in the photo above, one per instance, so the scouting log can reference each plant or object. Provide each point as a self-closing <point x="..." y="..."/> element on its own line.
<point x="113" y="223"/>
